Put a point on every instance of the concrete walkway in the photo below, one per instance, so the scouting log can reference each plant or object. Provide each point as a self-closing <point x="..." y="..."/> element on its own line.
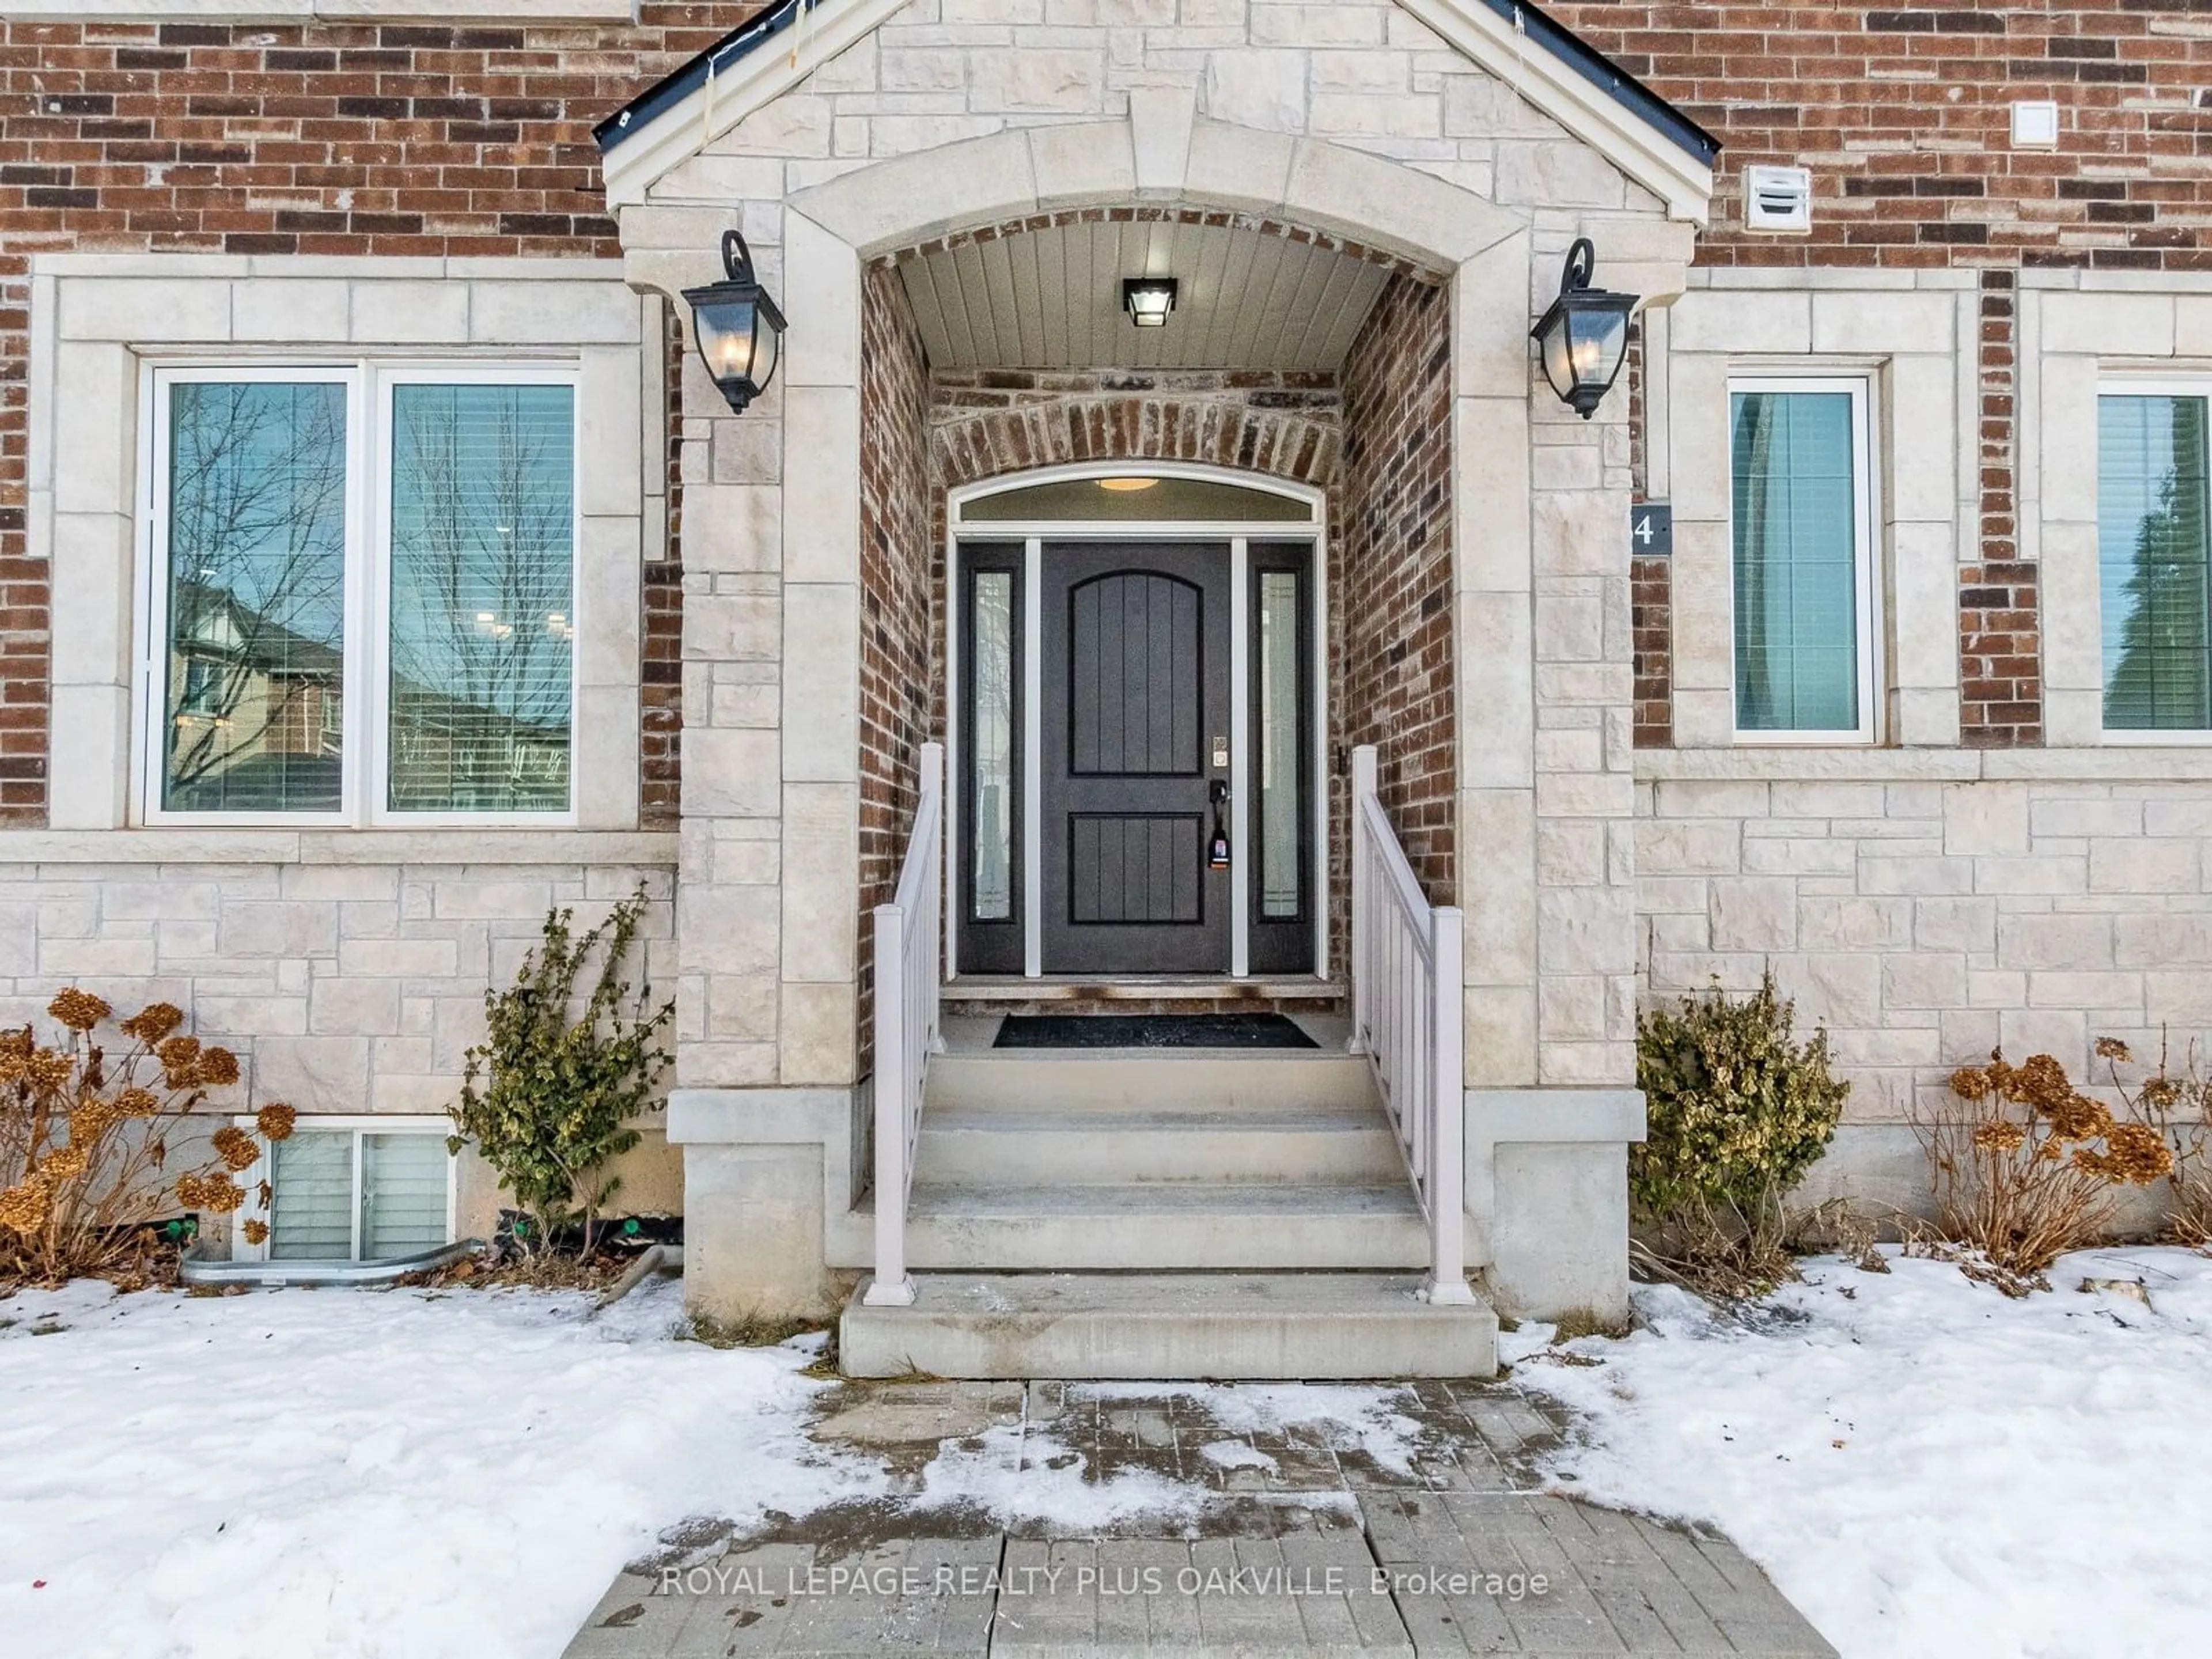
<point x="1297" y="1541"/>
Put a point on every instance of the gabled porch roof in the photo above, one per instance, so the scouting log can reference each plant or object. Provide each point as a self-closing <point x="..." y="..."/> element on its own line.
<point x="1642" y="133"/>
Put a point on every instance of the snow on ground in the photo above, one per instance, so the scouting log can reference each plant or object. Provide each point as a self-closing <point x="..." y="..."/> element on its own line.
<point x="1924" y="1467"/>
<point x="340" y="1472"/>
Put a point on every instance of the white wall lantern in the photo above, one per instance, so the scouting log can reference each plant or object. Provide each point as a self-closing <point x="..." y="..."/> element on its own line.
<point x="1583" y="338"/>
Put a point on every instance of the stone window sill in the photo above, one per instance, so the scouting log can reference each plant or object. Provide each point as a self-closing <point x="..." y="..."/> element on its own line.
<point x="329" y="846"/>
<point x="2134" y="763"/>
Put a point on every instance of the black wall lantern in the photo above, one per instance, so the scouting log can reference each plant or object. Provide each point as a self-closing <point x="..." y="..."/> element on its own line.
<point x="1148" y="300"/>
<point x="740" y="331"/>
<point x="1583" y="338"/>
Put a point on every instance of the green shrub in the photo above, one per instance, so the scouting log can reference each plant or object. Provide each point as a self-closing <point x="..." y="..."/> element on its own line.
<point x="550" y="1100"/>
<point x="1738" y="1112"/>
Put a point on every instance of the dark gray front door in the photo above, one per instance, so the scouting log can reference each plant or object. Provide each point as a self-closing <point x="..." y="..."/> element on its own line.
<point x="1134" y="649"/>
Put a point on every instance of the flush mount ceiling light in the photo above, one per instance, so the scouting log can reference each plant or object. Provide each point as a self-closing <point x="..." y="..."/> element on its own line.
<point x="1148" y="300"/>
<point x="1127" y="484"/>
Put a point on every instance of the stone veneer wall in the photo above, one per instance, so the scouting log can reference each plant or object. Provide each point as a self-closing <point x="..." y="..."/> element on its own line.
<point x="898" y="562"/>
<point x="1391" y="569"/>
<point x="1930" y="907"/>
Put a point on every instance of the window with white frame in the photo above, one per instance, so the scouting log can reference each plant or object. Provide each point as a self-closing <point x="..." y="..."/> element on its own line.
<point x="1801" y="525"/>
<point x="359" y="594"/>
<point x="349" y="1190"/>
<point x="2155" y="577"/>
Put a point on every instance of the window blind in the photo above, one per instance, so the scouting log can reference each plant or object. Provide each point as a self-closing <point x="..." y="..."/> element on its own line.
<point x="482" y="546"/>
<point x="311" y="1209"/>
<point x="403" y="1194"/>
<point x="2152" y="563"/>
<point x="1795" y="509"/>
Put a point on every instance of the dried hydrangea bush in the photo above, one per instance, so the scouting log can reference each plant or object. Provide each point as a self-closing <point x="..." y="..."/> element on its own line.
<point x="2032" y="1167"/>
<point x="2176" y="1102"/>
<point x="86" y="1138"/>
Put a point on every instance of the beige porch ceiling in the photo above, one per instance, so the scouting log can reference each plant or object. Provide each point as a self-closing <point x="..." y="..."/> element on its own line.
<point x="1051" y="298"/>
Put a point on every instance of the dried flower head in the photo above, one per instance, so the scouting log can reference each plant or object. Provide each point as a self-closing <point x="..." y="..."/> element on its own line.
<point x="179" y="1057"/>
<point x="80" y="1011"/>
<point x="49" y="1069"/>
<point x="2043" y="1084"/>
<point x="1999" y="1135"/>
<point x="192" y="1190"/>
<point x="137" y="1103"/>
<point x="95" y="1115"/>
<point x="2074" y="1117"/>
<point x="64" y="1163"/>
<point x="256" y="1230"/>
<point x="2113" y="1049"/>
<point x="153" y="1022"/>
<point x="2162" y="1092"/>
<point x="23" y="1206"/>
<point x="2139" y="1153"/>
<point x="17" y="1043"/>
<point x="222" y="1195"/>
<point x="1970" y="1082"/>
<point x="236" y="1148"/>
<point x="275" y="1120"/>
<point x="217" y="1068"/>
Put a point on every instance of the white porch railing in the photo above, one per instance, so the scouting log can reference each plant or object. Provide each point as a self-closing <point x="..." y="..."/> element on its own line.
<point x="907" y="938"/>
<point x="1406" y="1017"/>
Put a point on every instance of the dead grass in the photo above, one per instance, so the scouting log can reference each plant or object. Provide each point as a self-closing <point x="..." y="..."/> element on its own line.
<point x="1578" y="1322"/>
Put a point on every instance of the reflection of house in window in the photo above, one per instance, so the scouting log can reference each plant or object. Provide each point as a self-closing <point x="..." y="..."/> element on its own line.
<point x="451" y="755"/>
<point x="258" y="710"/>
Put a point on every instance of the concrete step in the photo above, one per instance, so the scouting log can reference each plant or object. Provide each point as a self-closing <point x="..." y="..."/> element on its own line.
<point x="1168" y="1327"/>
<point x="1148" y="1226"/>
<point x="1005" y="1146"/>
<point x="1147" y="1079"/>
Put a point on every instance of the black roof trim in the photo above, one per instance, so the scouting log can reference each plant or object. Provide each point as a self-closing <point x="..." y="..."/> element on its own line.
<point x="1608" y="78"/>
<point x="680" y="83"/>
<point x="1561" y="43"/>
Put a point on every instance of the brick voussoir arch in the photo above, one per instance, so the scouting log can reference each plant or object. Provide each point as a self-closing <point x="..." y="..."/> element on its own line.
<point x="991" y="443"/>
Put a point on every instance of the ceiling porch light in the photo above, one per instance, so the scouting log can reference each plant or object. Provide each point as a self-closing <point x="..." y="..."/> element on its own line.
<point x="737" y="325"/>
<point x="1148" y="300"/>
<point x="1583" y="338"/>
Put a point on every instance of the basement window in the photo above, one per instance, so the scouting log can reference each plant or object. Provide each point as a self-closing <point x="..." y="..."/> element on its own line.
<point x="350" y="1190"/>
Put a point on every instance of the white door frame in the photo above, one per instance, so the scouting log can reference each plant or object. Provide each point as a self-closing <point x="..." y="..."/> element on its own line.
<point x="1032" y="535"/>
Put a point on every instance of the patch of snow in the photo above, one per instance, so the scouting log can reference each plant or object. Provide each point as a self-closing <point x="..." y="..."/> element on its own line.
<point x="1344" y="1417"/>
<point x="1235" y="1455"/>
<point x="1925" y="1466"/>
<point x="402" y="1473"/>
<point x="987" y="1473"/>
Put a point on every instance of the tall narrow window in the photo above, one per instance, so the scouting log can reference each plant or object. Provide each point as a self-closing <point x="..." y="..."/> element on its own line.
<point x="1803" y="581"/>
<point x="2155" y="589"/>
<point x="254" y="597"/>
<point x="991" y="645"/>
<point x="481" y="639"/>
<point x="1279" y="758"/>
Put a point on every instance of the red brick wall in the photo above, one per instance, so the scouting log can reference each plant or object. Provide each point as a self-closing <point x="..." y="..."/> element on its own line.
<point x="898" y="561"/>
<point x="1391" y="567"/>
<point x="1903" y="114"/>
<point x="660" y="689"/>
<point x="299" y="138"/>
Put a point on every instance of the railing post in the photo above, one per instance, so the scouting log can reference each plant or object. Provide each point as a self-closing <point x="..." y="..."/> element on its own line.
<point x="1448" y="1104"/>
<point x="891" y="1288"/>
<point x="1361" y="946"/>
<point x="932" y="937"/>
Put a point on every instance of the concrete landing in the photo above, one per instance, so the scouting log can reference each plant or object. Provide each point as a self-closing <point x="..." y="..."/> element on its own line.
<point x="1168" y="1326"/>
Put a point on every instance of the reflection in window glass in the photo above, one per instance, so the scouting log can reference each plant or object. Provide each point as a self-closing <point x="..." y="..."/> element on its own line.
<point x="992" y="636"/>
<point x="2151" y="564"/>
<point x="256" y="576"/>
<point x="403" y="1194"/>
<point x="1797" y="569"/>
<point x="482" y="492"/>
<point x="310" y="1202"/>
<point x="1278" y="754"/>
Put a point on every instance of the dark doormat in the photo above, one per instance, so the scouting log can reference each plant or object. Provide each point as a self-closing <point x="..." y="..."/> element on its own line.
<point x="1151" y="1031"/>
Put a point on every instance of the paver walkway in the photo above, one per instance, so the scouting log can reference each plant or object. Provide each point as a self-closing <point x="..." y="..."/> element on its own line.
<point x="1298" y="1542"/>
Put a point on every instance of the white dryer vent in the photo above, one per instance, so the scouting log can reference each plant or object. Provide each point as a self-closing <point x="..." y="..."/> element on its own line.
<point x="1777" y="198"/>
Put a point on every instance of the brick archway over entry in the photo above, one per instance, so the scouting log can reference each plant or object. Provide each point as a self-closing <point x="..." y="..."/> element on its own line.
<point x="1213" y="427"/>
